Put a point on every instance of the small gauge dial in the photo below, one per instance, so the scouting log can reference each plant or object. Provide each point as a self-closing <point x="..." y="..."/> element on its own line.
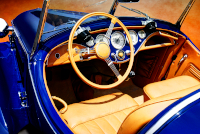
<point x="134" y="37"/>
<point x="142" y="34"/>
<point x="118" y="40"/>
<point x="90" y="43"/>
<point x="102" y="38"/>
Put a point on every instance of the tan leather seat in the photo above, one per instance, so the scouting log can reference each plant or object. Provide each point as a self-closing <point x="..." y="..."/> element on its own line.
<point x="100" y="115"/>
<point x="118" y="112"/>
<point x="168" y="86"/>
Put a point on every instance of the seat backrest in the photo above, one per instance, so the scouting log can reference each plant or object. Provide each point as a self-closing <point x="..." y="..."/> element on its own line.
<point x="149" y="109"/>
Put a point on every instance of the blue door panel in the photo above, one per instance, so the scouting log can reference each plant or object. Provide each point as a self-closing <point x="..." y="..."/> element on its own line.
<point x="15" y="116"/>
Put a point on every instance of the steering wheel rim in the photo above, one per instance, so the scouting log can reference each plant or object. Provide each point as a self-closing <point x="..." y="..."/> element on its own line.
<point x="82" y="77"/>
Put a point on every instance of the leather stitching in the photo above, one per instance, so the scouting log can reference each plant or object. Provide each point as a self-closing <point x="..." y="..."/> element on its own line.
<point x="99" y="126"/>
<point x="110" y="124"/>
<point x="117" y="118"/>
<point x="124" y="113"/>
<point x="87" y="128"/>
<point x="104" y="116"/>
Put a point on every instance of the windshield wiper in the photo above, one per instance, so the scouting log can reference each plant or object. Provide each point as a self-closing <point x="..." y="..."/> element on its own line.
<point x="136" y="11"/>
<point x="149" y="24"/>
<point x="98" y="3"/>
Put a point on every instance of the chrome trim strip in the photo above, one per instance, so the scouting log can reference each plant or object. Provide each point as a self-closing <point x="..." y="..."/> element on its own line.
<point x="20" y="40"/>
<point x="34" y="89"/>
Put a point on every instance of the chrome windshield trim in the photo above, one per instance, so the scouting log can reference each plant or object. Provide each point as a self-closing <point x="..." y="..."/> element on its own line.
<point x="184" y="14"/>
<point x="41" y="24"/>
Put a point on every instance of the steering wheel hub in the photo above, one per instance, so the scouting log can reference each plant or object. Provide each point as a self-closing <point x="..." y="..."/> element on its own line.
<point x="102" y="50"/>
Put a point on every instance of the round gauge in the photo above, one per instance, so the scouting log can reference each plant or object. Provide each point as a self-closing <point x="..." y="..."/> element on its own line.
<point x="142" y="34"/>
<point x="102" y="38"/>
<point x="90" y="43"/>
<point x="118" y="40"/>
<point x="134" y="37"/>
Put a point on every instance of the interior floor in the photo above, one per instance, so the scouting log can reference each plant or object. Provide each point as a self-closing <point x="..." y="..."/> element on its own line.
<point x="65" y="84"/>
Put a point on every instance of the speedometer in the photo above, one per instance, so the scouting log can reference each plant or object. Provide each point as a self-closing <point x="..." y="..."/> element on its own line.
<point x="102" y="38"/>
<point x="118" y="40"/>
<point x="134" y="37"/>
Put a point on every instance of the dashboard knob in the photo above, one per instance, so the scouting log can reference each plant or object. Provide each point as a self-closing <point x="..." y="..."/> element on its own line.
<point x="128" y="52"/>
<point x="113" y="55"/>
<point x="120" y="54"/>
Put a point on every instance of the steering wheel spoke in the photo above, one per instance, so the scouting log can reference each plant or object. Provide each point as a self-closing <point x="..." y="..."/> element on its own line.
<point x="109" y="32"/>
<point x="112" y="67"/>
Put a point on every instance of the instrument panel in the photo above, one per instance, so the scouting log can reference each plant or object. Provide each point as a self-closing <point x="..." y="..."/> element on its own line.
<point x="118" y="39"/>
<point x="118" y="42"/>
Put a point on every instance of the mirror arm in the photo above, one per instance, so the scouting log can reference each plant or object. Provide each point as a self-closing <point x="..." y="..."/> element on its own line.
<point x="116" y="2"/>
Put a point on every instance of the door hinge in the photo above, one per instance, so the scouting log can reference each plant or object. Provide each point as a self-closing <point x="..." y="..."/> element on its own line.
<point x="23" y="98"/>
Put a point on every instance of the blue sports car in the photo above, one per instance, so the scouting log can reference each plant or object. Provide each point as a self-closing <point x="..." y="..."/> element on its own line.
<point x="99" y="67"/>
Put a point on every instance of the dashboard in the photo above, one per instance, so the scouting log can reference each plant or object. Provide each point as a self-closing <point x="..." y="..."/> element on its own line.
<point x="118" y="42"/>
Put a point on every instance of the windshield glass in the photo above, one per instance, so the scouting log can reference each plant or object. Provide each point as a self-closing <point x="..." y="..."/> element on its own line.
<point x="87" y="6"/>
<point x="63" y="14"/>
<point x="169" y="10"/>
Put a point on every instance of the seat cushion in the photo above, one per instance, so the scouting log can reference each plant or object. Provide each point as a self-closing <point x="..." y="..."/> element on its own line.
<point x="100" y="115"/>
<point x="149" y="109"/>
<point x="168" y="86"/>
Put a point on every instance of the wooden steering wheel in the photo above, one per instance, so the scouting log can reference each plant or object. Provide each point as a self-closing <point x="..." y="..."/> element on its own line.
<point x="102" y="51"/>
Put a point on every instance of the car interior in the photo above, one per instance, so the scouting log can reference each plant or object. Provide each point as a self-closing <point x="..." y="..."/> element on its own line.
<point x="164" y="69"/>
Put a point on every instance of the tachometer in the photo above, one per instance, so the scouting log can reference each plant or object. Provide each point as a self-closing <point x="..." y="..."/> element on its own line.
<point x="102" y="38"/>
<point x="118" y="40"/>
<point x="134" y="37"/>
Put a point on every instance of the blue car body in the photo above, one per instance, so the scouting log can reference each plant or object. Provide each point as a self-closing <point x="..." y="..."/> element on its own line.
<point x="24" y="102"/>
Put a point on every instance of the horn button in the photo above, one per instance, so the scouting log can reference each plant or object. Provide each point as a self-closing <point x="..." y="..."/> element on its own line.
<point x="102" y="50"/>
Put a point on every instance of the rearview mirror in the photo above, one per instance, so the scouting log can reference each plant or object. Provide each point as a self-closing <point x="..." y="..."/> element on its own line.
<point x="3" y="27"/>
<point x="128" y="1"/>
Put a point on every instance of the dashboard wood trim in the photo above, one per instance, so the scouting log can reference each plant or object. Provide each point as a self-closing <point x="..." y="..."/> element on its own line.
<point x="143" y="47"/>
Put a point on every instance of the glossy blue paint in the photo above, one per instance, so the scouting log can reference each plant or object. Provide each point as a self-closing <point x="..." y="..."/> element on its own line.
<point x="185" y="121"/>
<point x="3" y="125"/>
<point x="14" y="114"/>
